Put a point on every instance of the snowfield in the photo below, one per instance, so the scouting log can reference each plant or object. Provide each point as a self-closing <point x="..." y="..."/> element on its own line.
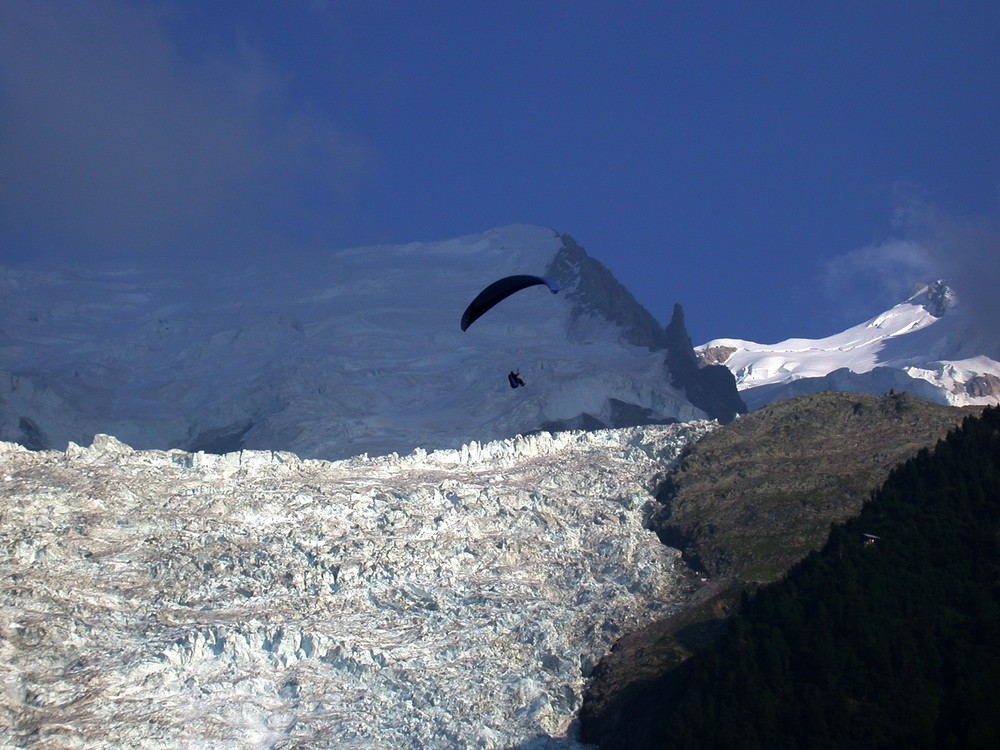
<point x="928" y="345"/>
<point x="450" y="599"/>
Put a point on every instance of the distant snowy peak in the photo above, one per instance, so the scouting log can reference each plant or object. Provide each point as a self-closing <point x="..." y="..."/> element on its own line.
<point x="927" y="345"/>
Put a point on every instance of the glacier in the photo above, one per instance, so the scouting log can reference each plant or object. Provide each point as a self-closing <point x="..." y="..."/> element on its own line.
<point x="442" y="599"/>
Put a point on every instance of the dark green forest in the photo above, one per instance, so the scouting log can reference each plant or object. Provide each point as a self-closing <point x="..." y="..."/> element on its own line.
<point x="885" y="643"/>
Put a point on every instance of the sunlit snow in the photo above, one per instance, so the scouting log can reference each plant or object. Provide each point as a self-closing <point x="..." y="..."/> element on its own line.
<point x="926" y="345"/>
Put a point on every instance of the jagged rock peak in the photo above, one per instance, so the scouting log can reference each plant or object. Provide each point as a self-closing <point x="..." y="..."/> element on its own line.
<point x="678" y="339"/>
<point x="596" y="295"/>
<point x="712" y="388"/>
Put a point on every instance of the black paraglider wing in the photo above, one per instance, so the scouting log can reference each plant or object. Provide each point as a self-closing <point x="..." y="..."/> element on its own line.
<point x="498" y="291"/>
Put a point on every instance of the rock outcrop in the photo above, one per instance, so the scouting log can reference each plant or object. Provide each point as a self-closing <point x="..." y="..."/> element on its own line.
<point x="983" y="386"/>
<point x="712" y="388"/>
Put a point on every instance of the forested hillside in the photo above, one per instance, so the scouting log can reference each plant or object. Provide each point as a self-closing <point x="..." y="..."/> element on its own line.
<point x="746" y="503"/>
<point x="891" y="641"/>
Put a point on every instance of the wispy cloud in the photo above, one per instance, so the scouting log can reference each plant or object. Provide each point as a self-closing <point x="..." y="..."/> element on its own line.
<point x="967" y="250"/>
<point x="113" y="141"/>
<point x="879" y="274"/>
<point x="929" y="245"/>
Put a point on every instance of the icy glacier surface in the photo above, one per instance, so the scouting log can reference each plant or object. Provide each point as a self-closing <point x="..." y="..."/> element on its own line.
<point x="437" y="600"/>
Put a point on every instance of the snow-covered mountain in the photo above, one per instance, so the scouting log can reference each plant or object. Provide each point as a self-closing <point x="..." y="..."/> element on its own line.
<point x="453" y="599"/>
<point x="927" y="345"/>
<point x="359" y="352"/>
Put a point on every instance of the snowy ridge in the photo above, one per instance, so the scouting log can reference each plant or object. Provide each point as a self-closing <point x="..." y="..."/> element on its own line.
<point x="925" y="345"/>
<point x="358" y="352"/>
<point x="456" y="598"/>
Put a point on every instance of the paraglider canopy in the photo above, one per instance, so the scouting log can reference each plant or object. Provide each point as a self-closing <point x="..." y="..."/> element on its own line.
<point x="500" y="290"/>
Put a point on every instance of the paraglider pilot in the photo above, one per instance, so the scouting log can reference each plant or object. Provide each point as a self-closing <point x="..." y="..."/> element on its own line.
<point x="514" y="379"/>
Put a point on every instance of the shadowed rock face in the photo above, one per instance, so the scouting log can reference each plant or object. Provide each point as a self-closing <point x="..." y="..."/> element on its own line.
<point x="746" y="503"/>
<point x="597" y="294"/>
<point x="712" y="388"/>
<point x="983" y="385"/>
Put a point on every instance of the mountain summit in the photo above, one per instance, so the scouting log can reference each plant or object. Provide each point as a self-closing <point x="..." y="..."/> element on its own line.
<point x="360" y="352"/>
<point x="929" y="346"/>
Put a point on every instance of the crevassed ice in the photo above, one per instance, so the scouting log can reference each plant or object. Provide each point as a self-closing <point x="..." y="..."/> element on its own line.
<point x="435" y="600"/>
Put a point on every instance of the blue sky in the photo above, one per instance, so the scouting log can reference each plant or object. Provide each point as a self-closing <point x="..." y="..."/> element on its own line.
<point x="779" y="168"/>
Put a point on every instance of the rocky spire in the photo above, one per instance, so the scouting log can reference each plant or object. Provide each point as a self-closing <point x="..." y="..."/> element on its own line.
<point x="711" y="388"/>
